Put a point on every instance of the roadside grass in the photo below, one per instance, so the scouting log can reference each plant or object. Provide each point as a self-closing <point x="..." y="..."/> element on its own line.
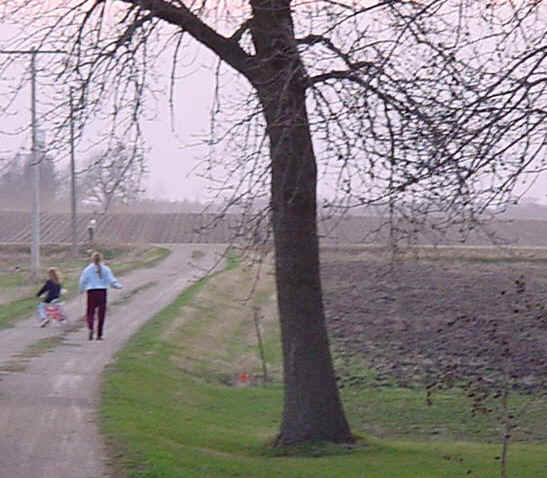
<point x="405" y="415"/>
<point x="15" y="279"/>
<point x="172" y="406"/>
<point x="15" y="282"/>
<point x="15" y="310"/>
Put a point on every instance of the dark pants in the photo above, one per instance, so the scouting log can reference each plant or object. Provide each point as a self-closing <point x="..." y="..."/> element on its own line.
<point x="96" y="299"/>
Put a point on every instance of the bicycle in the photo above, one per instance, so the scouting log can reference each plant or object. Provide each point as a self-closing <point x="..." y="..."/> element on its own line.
<point x="54" y="313"/>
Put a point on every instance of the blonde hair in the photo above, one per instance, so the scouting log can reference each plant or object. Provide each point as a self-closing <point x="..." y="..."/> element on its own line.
<point x="97" y="258"/>
<point x="54" y="275"/>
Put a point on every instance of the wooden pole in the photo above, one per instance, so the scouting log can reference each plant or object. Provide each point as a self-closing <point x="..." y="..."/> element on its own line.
<point x="260" y="343"/>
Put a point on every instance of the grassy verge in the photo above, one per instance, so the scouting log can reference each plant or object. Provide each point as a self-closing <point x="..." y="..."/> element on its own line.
<point x="122" y="259"/>
<point x="402" y="413"/>
<point x="168" y="410"/>
<point x="15" y="310"/>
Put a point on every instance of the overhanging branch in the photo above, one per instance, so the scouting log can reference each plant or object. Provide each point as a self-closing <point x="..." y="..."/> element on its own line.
<point x="226" y="49"/>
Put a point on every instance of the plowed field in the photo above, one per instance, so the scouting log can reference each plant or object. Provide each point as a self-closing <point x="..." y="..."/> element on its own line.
<point x="440" y="314"/>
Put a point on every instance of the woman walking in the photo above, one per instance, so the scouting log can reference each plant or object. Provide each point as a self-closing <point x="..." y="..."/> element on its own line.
<point x="95" y="280"/>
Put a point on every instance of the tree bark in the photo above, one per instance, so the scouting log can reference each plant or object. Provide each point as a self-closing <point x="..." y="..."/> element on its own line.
<point x="312" y="406"/>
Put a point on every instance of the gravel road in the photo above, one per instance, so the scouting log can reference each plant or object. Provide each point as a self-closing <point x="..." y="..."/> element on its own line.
<point x="48" y="403"/>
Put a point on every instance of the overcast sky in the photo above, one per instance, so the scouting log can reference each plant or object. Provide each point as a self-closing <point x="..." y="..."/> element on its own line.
<point x="171" y="160"/>
<point x="174" y="154"/>
<point x="172" y="157"/>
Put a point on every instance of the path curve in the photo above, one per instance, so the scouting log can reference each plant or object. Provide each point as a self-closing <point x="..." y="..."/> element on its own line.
<point x="48" y="423"/>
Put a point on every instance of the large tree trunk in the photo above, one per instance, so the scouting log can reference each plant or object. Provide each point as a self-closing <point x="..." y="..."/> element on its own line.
<point x="312" y="407"/>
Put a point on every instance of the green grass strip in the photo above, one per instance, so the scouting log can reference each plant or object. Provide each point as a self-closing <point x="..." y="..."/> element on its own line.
<point x="16" y="310"/>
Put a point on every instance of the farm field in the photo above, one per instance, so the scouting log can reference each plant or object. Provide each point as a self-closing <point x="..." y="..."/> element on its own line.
<point x="15" y="227"/>
<point x="402" y="321"/>
<point x="134" y="228"/>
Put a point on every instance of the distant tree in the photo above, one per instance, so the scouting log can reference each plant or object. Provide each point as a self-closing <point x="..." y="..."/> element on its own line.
<point x="441" y="104"/>
<point x="111" y="177"/>
<point x="12" y="184"/>
<point x="16" y="182"/>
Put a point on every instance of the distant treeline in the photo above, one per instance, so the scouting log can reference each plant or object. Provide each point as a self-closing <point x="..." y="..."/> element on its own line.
<point x="526" y="209"/>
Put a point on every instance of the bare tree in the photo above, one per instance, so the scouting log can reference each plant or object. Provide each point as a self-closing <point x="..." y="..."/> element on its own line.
<point x="16" y="182"/>
<point x="440" y="105"/>
<point x="112" y="176"/>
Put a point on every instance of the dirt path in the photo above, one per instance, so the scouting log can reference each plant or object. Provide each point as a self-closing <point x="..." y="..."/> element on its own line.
<point x="48" y="403"/>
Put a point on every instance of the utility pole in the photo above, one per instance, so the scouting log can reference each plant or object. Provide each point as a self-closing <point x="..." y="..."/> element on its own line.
<point x="35" y="160"/>
<point x="35" y="168"/>
<point x="73" y="181"/>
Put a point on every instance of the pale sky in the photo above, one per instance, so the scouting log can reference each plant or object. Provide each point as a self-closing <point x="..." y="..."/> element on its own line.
<point x="172" y="156"/>
<point x="171" y="160"/>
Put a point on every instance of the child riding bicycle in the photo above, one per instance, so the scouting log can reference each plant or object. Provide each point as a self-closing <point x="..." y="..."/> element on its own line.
<point x="51" y="307"/>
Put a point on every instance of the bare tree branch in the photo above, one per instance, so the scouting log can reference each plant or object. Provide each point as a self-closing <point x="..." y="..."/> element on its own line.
<point x="181" y="16"/>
